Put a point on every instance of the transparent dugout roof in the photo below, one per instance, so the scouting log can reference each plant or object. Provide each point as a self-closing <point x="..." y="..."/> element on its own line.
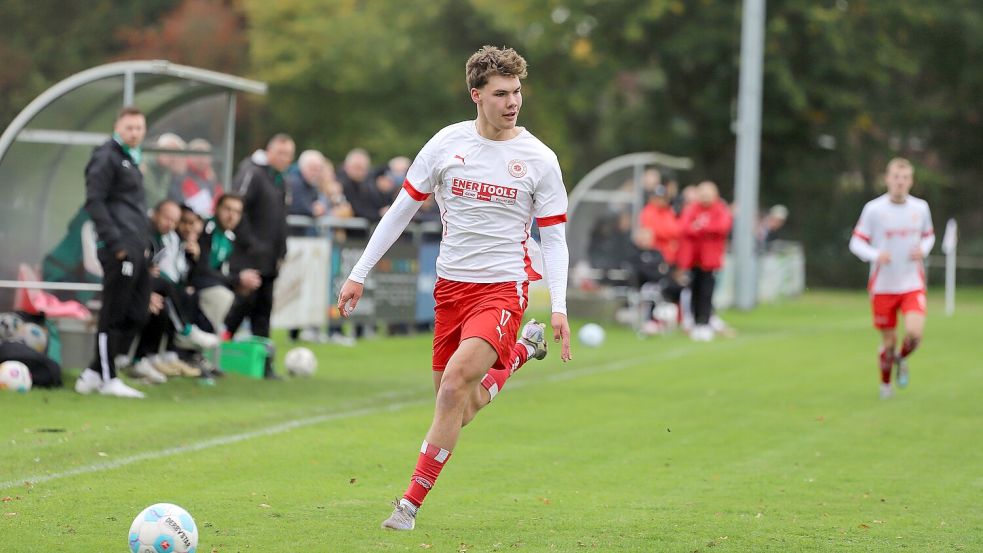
<point x="43" y="152"/>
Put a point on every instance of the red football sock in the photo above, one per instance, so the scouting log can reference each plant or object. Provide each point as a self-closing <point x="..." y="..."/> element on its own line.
<point x="428" y="466"/>
<point x="886" y="362"/>
<point x="908" y="346"/>
<point x="520" y="354"/>
<point x="494" y="379"/>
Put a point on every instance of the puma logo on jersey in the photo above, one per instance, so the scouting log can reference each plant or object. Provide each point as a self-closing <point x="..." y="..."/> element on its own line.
<point x="460" y="158"/>
<point x="126" y="164"/>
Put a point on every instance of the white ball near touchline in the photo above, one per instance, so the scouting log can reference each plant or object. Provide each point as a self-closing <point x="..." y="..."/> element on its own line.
<point x="591" y="335"/>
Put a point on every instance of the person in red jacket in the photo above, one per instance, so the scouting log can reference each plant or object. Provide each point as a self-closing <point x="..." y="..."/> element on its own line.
<point x="705" y="225"/>
<point x="660" y="225"/>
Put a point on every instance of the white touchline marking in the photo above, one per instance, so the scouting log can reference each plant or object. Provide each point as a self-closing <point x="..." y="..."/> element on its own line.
<point x="371" y="410"/>
<point x="212" y="442"/>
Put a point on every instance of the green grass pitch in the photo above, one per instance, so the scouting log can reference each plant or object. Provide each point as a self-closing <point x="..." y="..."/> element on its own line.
<point x="775" y="440"/>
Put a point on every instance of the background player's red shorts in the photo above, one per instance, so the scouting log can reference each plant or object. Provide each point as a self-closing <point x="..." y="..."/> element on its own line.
<point x="492" y="312"/>
<point x="886" y="307"/>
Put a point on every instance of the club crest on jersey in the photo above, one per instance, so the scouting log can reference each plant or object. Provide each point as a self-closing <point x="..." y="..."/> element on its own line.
<point x="517" y="168"/>
<point x="484" y="191"/>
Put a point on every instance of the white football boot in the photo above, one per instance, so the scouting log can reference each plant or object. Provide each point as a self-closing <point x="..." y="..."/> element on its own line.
<point x="534" y="335"/>
<point x="403" y="517"/>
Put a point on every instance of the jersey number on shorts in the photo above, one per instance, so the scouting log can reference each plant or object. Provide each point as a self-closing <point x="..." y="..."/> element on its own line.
<point x="506" y="315"/>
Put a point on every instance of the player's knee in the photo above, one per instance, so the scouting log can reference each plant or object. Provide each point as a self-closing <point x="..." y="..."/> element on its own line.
<point x="453" y="390"/>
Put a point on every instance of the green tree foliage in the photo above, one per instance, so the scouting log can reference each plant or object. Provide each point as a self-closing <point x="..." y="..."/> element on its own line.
<point x="44" y="42"/>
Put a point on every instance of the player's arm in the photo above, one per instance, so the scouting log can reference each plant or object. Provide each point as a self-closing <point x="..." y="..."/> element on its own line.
<point x="927" y="239"/>
<point x="862" y="248"/>
<point x="860" y="241"/>
<point x="556" y="261"/>
<point x="390" y="228"/>
<point x="550" y="208"/>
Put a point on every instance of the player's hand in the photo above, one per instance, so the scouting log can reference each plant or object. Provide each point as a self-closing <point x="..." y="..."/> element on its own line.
<point x="561" y="334"/>
<point x="916" y="254"/>
<point x="348" y="297"/>
<point x="883" y="258"/>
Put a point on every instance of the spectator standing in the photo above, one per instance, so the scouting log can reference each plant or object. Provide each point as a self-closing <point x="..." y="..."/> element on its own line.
<point x="768" y="227"/>
<point x="387" y="181"/>
<point x="705" y="224"/>
<point x="115" y="200"/>
<point x="304" y="181"/>
<point x="377" y="195"/>
<point x="660" y="225"/>
<point x="261" y="183"/>
<point x="355" y="183"/>
<point x="332" y="194"/>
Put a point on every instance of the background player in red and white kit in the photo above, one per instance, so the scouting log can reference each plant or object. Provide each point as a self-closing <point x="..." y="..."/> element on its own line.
<point x="490" y="179"/>
<point x="895" y="234"/>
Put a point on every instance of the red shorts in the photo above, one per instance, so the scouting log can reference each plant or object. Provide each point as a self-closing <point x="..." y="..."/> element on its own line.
<point x="492" y="312"/>
<point x="886" y="307"/>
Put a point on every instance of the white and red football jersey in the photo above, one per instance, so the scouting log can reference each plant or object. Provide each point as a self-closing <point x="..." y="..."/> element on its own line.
<point x="488" y="192"/>
<point x="897" y="229"/>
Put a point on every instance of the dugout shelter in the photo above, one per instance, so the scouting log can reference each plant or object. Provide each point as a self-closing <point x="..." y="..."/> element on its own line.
<point x="44" y="150"/>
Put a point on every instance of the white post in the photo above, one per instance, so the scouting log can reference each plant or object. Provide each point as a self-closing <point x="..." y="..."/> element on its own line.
<point x="949" y="249"/>
<point x="748" y="152"/>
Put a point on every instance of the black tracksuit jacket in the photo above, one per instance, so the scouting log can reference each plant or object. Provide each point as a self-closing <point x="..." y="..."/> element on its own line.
<point x="114" y="198"/>
<point x="263" y="230"/>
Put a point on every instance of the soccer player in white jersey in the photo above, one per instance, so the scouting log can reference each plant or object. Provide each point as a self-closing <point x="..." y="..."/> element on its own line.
<point x="895" y="234"/>
<point x="490" y="179"/>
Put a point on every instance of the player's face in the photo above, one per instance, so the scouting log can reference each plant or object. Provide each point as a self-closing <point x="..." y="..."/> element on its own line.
<point x="229" y="213"/>
<point x="132" y="129"/>
<point x="499" y="101"/>
<point x="899" y="181"/>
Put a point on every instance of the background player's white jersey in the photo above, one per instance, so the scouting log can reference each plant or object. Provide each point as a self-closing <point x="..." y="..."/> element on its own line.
<point x="897" y="229"/>
<point x="488" y="192"/>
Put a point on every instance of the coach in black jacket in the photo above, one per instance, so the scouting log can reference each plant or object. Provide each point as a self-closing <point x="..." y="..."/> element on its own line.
<point x="114" y="199"/>
<point x="263" y="230"/>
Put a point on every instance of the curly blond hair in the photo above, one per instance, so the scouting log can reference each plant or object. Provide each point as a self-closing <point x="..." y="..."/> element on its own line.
<point x="491" y="60"/>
